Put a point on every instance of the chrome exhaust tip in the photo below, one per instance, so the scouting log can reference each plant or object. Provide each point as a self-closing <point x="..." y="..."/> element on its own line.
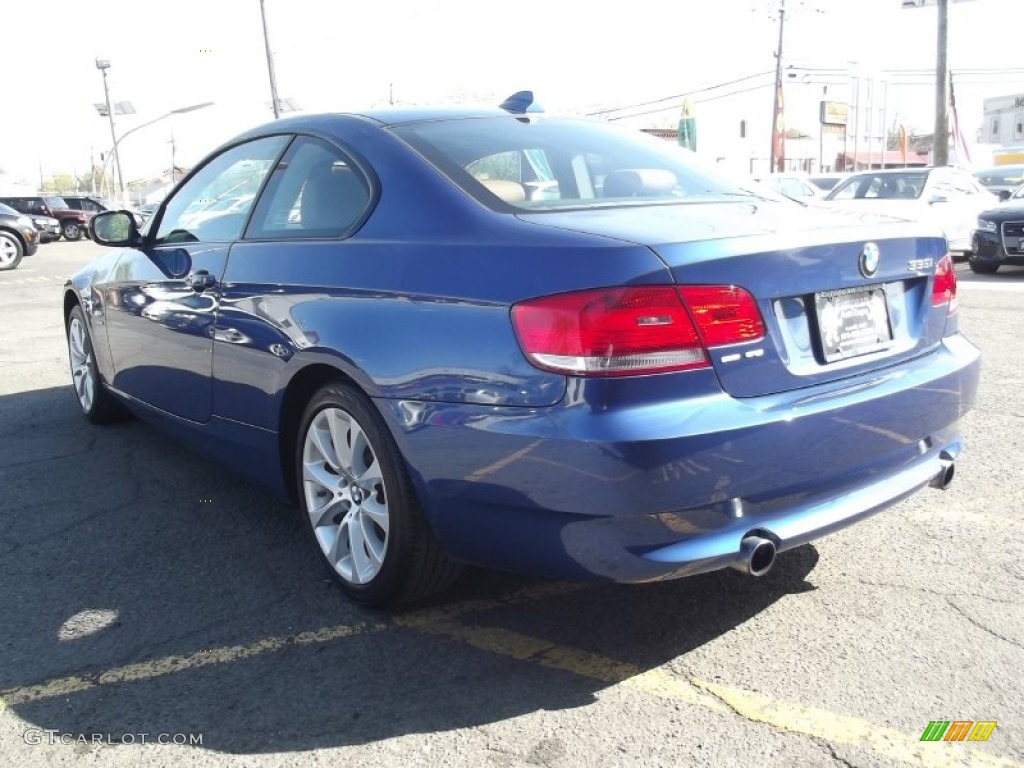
<point x="757" y="556"/>
<point x="944" y="478"/>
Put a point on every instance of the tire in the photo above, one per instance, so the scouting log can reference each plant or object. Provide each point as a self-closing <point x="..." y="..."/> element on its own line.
<point x="359" y="505"/>
<point x="982" y="267"/>
<point x="71" y="230"/>
<point x="11" y="251"/>
<point x="98" y="405"/>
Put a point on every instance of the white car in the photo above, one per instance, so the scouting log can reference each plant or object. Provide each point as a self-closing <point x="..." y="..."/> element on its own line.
<point x="792" y="186"/>
<point x="947" y="197"/>
<point x="221" y="207"/>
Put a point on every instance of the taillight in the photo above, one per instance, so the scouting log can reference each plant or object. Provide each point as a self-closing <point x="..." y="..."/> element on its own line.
<point x="633" y="330"/>
<point x="944" y="287"/>
<point x="724" y="314"/>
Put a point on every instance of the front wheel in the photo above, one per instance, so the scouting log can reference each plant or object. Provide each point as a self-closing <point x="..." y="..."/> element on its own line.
<point x="10" y="251"/>
<point x="71" y="230"/>
<point x="982" y="267"/>
<point x="98" y="405"/>
<point x="359" y="505"/>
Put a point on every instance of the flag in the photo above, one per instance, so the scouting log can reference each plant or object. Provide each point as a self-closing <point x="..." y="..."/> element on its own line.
<point x="686" y="133"/>
<point x="963" y="155"/>
<point x="901" y="135"/>
<point x="779" y="132"/>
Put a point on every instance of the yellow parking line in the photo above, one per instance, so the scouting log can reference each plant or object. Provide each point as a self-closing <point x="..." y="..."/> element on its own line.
<point x="836" y="728"/>
<point x="147" y="670"/>
<point x="444" y="621"/>
<point x="787" y="716"/>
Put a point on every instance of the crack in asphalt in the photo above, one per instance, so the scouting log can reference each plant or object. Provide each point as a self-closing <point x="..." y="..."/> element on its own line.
<point x="91" y="443"/>
<point x="15" y="545"/>
<point x="937" y="593"/>
<point x="974" y="622"/>
<point x="835" y="755"/>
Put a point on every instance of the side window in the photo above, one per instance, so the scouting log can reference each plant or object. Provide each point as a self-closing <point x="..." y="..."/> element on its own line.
<point x="214" y="204"/>
<point x="315" y="192"/>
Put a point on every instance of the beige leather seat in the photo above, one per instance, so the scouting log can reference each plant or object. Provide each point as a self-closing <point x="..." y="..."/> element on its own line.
<point x="509" y="191"/>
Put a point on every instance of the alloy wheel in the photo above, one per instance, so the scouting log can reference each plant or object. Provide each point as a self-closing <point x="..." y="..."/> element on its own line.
<point x="80" y="350"/>
<point x="345" y="495"/>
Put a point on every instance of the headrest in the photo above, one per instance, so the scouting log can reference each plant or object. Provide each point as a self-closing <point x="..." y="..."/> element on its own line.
<point x="639" y="182"/>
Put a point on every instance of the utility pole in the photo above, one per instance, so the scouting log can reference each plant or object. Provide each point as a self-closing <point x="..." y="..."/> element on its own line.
<point x="940" y="144"/>
<point x="270" y="64"/>
<point x="778" y="86"/>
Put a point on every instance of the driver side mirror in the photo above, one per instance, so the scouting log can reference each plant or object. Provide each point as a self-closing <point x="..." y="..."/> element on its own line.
<point x="116" y="228"/>
<point x="1004" y="194"/>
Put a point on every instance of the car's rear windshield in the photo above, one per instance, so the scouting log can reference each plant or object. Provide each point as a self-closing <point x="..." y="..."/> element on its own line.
<point x="906" y="186"/>
<point x="557" y="163"/>
<point x="1006" y="176"/>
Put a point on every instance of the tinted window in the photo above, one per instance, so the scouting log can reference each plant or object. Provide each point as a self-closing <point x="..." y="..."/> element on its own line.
<point x="907" y="186"/>
<point x="316" y="192"/>
<point x="215" y="203"/>
<point x="547" y="163"/>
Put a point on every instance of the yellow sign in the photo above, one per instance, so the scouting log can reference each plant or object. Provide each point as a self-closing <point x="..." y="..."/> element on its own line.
<point x="834" y="113"/>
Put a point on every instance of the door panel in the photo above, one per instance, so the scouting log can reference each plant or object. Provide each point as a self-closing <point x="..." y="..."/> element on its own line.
<point x="166" y="293"/>
<point x="160" y="327"/>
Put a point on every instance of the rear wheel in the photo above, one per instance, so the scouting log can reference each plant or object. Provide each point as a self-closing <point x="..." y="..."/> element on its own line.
<point x="11" y="251"/>
<point x="359" y="505"/>
<point x="71" y="230"/>
<point x="98" y="405"/>
<point x="982" y="267"/>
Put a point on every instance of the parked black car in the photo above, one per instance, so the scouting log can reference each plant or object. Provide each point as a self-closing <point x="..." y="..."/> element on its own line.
<point x="1003" y="180"/>
<point x="18" y="237"/>
<point x="999" y="238"/>
<point x="48" y="227"/>
<point x="73" y="223"/>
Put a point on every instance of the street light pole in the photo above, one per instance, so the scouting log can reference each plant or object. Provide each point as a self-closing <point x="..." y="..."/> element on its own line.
<point x="270" y="64"/>
<point x="940" y="144"/>
<point x="179" y="111"/>
<point x="778" y="87"/>
<point x="103" y="65"/>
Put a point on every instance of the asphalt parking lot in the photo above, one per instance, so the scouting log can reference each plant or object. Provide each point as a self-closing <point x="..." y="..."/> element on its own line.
<point x="155" y="611"/>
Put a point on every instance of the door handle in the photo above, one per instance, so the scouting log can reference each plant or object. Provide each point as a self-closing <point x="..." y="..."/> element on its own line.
<point x="200" y="280"/>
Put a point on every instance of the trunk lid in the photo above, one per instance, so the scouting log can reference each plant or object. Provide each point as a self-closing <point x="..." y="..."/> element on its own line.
<point x="825" y="318"/>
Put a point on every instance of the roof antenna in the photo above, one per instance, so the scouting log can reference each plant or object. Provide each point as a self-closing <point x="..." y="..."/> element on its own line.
<point x="521" y="102"/>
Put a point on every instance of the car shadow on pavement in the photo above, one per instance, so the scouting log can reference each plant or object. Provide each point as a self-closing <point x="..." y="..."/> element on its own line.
<point x="124" y="558"/>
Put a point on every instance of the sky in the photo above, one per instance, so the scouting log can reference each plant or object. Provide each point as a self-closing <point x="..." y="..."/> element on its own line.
<point x="576" y="56"/>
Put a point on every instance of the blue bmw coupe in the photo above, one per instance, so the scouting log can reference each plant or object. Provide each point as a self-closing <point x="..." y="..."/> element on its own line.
<point x="527" y="342"/>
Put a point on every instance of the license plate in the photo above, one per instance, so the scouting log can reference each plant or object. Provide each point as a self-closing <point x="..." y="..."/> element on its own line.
<point x="852" y="322"/>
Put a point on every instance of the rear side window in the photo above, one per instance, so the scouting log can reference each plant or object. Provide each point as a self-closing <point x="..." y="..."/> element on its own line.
<point x="553" y="163"/>
<point x="315" y="192"/>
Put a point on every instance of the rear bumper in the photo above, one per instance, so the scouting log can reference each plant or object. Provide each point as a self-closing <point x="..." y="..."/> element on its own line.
<point x="669" y="488"/>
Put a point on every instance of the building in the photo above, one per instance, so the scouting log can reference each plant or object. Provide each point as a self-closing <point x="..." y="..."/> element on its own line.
<point x="1004" y="121"/>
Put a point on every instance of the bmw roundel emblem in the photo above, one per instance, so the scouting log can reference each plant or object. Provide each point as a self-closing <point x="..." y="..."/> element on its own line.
<point x="869" y="260"/>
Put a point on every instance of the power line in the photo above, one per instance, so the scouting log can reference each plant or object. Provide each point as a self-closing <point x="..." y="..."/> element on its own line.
<point x="678" y="95"/>
<point x="679" y="105"/>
